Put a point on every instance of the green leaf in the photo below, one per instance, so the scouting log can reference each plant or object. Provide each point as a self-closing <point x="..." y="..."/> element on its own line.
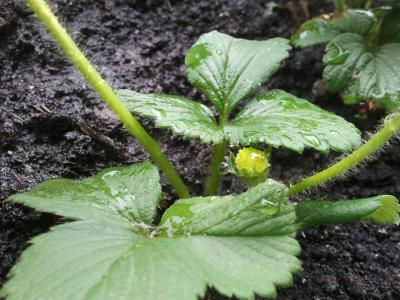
<point x="227" y="69"/>
<point x="181" y="268"/>
<point x="380" y="209"/>
<point x="324" y="28"/>
<point x="121" y="196"/>
<point x="86" y="260"/>
<point x="183" y="116"/>
<point x="262" y="210"/>
<point x="249" y="250"/>
<point x="388" y="212"/>
<point x="281" y="119"/>
<point x="390" y="28"/>
<point x="277" y="118"/>
<point x="66" y="262"/>
<point x="363" y="74"/>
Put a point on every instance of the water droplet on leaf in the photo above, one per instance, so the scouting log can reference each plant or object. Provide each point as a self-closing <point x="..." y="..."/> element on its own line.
<point x="268" y="207"/>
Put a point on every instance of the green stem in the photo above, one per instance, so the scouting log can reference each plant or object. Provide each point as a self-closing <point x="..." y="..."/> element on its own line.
<point x="368" y="4"/>
<point x="391" y="127"/>
<point x="218" y="152"/>
<point x="340" y="5"/>
<point x="373" y="35"/>
<point x="107" y="94"/>
<point x="214" y="179"/>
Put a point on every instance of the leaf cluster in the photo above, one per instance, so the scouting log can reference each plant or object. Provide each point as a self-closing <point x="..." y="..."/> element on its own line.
<point x="238" y="244"/>
<point x="362" y="59"/>
<point x="228" y="70"/>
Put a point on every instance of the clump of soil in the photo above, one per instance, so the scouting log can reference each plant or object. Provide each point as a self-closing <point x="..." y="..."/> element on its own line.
<point x="53" y="125"/>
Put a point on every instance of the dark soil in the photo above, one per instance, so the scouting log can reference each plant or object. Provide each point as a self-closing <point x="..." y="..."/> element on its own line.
<point x="53" y="125"/>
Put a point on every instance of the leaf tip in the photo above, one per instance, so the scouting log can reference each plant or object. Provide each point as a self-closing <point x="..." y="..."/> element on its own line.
<point x="388" y="211"/>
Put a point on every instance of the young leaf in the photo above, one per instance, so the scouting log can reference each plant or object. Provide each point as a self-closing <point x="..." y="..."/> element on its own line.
<point x="94" y="259"/>
<point x="227" y="69"/>
<point x="380" y="209"/>
<point x="262" y="210"/>
<point x="324" y="28"/>
<point x="363" y="73"/>
<point x="189" y="118"/>
<point x="121" y="196"/>
<point x="281" y="119"/>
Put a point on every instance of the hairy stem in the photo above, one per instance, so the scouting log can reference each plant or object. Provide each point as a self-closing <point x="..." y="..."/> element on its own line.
<point x="391" y="127"/>
<point x="107" y="94"/>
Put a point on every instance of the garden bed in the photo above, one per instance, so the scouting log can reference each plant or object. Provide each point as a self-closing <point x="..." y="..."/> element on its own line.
<point x="53" y="125"/>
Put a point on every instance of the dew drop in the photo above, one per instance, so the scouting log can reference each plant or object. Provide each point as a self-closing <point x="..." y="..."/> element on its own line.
<point x="269" y="207"/>
<point x="304" y="34"/>
<point x="110" y="174"/>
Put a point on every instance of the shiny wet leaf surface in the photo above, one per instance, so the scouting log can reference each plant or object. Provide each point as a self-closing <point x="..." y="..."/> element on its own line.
<point x="281" y="119"/>
<point x="227" y="69"/>
<point x="240" y="245"/>
<point x="324" y="28"/>
<point x="365" y="73"/>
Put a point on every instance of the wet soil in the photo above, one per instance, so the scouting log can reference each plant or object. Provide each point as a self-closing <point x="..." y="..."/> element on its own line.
<point x="53" y="125"/>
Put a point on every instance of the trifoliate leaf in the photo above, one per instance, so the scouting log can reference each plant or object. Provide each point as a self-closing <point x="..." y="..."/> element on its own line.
<point x="380" y="209"/>
<point x="324" y="28"/>
<point x="390" y="28"/>
<point x="122" y="195"/>
<point x="262" y="210"/>
<point x="189" y="118"/>
<point x="281" y="119"/>
<point x="276" y="118"/>
<point x="363" y="73"/>
<point x="250" y="249"/>
<point x="87" y="260"/>
<point x="227" y="69"/>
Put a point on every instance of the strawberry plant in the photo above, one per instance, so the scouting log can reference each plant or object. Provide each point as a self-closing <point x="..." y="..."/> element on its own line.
<point x="227" y="70"/>
<point x="362" y="57"/>
<point x="114" y="247"/>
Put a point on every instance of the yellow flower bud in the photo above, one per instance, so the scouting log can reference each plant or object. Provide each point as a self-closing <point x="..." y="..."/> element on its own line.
<point x="252" y="163"/>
